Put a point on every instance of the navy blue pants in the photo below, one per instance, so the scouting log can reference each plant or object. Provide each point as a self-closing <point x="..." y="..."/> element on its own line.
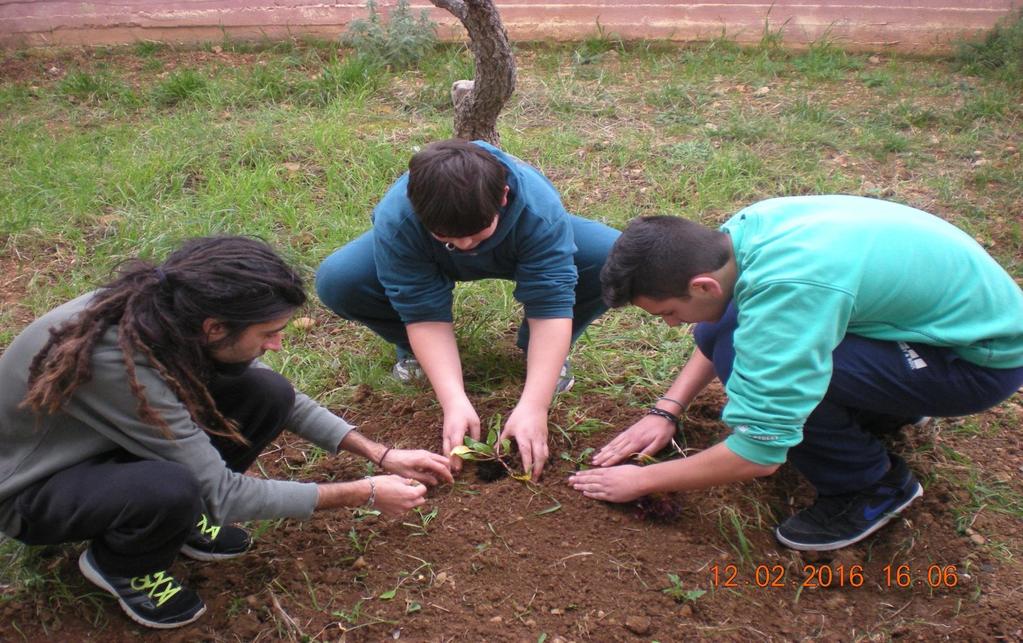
<point x="347" y="283"/>
<point x="137" y="513"/>
<point x="876" y="387"/>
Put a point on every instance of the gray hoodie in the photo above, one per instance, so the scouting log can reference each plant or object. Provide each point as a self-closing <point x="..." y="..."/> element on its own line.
<point x="102" y="416"/>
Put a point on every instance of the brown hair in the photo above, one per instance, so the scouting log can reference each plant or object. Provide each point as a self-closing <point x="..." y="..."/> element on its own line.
<point x="456" y="187"/>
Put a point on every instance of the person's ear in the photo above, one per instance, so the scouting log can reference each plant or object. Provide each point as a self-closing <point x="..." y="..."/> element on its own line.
<point x="213" y="330"/>
<point x="504" y="197"/>
<point x="705" y="286"/>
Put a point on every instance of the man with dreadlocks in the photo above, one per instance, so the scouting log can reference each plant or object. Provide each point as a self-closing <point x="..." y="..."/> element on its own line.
<point x="128" y="416"/>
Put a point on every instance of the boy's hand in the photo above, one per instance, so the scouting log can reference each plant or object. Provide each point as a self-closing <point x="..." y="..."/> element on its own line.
<point x="614" y="484"/>
<point x="528" y="425"/>
<point x="419" y="464"/>
<point x="647" y="436"/>
<point x="396" y="495"/>
<point x="459" y="418"/>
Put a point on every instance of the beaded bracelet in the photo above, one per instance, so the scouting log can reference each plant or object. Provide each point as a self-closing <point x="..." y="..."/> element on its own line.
<point x="372" y="492"/>
<point x="667" y="415"/>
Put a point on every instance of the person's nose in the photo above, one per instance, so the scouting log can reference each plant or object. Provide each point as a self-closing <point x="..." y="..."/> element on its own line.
<point x="464" y="244"/>
<point x="274" y="342"/>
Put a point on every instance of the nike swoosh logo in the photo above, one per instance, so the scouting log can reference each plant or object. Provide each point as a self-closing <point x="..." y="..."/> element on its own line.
<point x="872" y="512"/>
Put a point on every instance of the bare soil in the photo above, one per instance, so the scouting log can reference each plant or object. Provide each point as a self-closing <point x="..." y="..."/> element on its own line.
<point x="507" y="561"/>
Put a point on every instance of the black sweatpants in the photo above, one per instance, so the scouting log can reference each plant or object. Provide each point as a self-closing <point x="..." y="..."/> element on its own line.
<point x="137" y="513"/>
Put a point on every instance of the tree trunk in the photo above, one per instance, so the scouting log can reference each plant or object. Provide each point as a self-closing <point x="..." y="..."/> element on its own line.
<point x="479" y="102"/>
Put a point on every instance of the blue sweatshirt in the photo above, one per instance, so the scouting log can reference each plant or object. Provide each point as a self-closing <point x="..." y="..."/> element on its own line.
<point x="532" y="245"/>
<point x="812" y="269"/>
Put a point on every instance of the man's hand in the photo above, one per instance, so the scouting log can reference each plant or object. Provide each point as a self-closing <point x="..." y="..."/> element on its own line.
<point x="459" y="419"/>
<point x="647" y="436"/>
<point x="426" y="467"/>
<point x="396" y="495"/>
<point x="614" y="484"/>
<point x="528" y="425"/>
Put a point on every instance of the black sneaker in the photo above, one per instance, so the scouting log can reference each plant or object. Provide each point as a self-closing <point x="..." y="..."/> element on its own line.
<point x="833" y="522"/>
<point x="215" y="542"/>
<point x="154" y="600"/>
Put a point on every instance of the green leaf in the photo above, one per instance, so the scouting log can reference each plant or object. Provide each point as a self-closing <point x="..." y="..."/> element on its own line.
<point x="464" y="453"/>
<point x="389" y="594"/>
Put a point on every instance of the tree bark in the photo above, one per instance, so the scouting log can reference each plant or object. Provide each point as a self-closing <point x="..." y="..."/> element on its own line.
<point x="478" y="103"/>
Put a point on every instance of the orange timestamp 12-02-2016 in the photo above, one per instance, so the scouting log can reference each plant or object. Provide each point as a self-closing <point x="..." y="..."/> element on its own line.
<point x="825" y="575"/>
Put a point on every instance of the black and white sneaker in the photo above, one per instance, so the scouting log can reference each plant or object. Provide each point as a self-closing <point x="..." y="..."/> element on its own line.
<point x="833" y="522"/>
<point x="155" y="600"/>
<point x="565" y="379"/>
<point x="215" y="542"/>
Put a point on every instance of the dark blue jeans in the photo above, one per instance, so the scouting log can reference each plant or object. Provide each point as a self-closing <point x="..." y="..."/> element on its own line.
<point x="137" y="513"/>
<point x="876" y="387"/>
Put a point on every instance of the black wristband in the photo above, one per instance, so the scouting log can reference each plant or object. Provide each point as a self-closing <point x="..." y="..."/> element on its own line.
<point x="667" y="415"/>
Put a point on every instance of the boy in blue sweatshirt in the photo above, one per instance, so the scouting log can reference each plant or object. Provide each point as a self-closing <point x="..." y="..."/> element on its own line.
<point x="463" y="212"/>
<point x="830" y="320"/>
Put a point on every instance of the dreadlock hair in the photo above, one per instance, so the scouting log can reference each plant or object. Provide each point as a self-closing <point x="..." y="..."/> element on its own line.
<point x="159" y="312"/>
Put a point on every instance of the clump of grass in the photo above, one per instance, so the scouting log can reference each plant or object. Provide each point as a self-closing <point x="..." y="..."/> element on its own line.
<point x="400" y="41"/>
<point x="86" y="86"/>
<point x="351" y="75"/>
<point x="999" y="54"/>
<point x="179" y="87"/>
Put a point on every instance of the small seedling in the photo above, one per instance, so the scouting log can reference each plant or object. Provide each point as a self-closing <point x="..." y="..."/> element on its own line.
<point x="424" y="522"/>
<point x="488" y="456"/>
<point x="680" y="594"/>
<point x="360" y="545"/>
<point x="580" y="461"/>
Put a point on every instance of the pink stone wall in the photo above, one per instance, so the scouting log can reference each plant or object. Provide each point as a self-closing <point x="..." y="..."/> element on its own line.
<point x="924" y="26"/>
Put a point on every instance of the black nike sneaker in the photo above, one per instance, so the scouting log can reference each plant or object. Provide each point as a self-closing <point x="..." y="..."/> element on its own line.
<point x="833" y="522"/>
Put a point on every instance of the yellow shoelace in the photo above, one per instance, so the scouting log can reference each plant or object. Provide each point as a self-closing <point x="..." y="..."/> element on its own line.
<point x="207" y="529"/>
<point x="151" y="585"/>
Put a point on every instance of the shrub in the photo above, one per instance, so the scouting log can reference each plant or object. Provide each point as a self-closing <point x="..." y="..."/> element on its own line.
<point x="1000" y="53"/>
<point x="399" y="41"/>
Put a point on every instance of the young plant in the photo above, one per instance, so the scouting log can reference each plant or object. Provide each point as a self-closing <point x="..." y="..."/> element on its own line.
<point x="490" y="460"/>
<point x="679" y="593"/>
<point x="421" y="529"/>
<point x="580" y="461"/>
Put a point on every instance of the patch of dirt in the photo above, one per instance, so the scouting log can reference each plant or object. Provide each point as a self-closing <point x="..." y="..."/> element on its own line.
<point x="506" y="561"/>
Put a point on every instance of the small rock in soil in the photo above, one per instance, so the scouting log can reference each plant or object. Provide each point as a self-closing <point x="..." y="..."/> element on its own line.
<point x="639" y="625"/>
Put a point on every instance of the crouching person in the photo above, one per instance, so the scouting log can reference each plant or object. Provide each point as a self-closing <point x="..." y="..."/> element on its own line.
<point x="830" y="320"/>
<point x="130" y="414"/>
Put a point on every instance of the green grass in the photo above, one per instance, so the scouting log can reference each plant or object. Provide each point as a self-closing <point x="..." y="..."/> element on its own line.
<point x="131" y="150"/>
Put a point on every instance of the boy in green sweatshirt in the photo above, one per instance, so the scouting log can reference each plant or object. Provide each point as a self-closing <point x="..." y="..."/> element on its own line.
<point x="830" y="320"/>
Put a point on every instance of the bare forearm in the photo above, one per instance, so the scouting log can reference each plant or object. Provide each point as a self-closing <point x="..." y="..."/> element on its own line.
<point x="335" y="495"/>
<point x="694" y="377"/>
<point x="434" y="346"/>
<point x="715" y="466"/>
<point x="549" y="342"/>
<point x="358" y="444"/>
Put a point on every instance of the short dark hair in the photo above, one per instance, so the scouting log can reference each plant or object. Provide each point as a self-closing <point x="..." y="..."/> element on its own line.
<point x="456" y="187"/>
<point x="159" y="312"/>
<point x="657" y="256"/>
